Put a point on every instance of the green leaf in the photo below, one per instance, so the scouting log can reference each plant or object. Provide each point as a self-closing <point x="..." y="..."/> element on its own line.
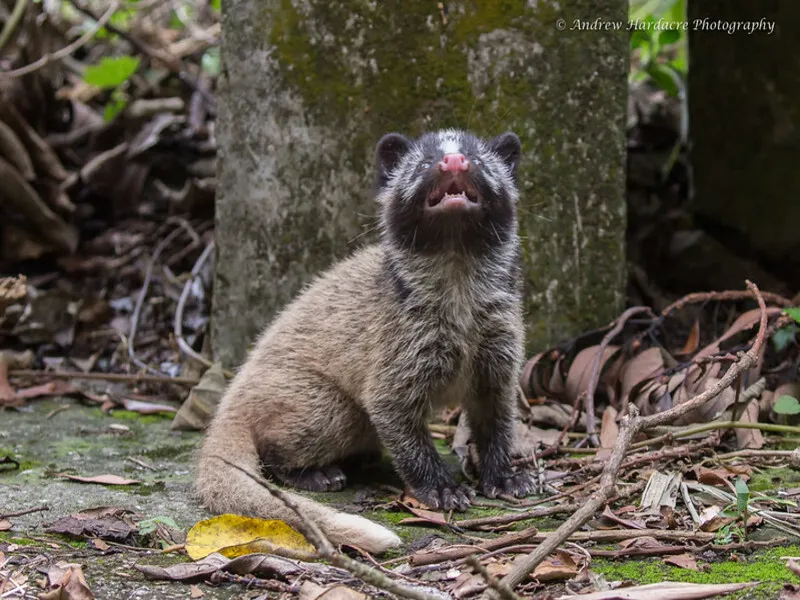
<point x="149" y="525"/>
<point x="742" y="495"/>
<point x="665" y="77"/>
<point x="639" y="9"/>
<point x="793" y="312"/>
<point x="787" y="405"/>
<point x="668" y="36"/>
<point x="116" y="104"/>
<point x="640" y="39"/>
<point x="782" y="338"/>
<point x="111" y="72"/>
<point x="210" y="61"/>
<point x="216" y="5"/>
<point x="677" y="12"/>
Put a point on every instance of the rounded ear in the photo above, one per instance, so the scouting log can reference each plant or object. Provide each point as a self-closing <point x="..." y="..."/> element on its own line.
<point x="391" y="149"/>
<point x="508" y="147"/>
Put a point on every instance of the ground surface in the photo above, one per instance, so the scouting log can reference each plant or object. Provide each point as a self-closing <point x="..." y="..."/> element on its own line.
<point x="84" y="441"/>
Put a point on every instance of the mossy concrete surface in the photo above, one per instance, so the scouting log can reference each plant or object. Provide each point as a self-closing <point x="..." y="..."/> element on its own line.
<point x="48" y="440"/>
<point x="308" y="87"/>
<point x="84" y="441"/>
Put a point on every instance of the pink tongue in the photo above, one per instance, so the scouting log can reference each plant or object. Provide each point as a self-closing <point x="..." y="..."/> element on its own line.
<point x="459" y="200"/>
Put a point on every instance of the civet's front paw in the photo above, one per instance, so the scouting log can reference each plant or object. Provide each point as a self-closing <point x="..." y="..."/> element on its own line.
<point x="519" y="485"/>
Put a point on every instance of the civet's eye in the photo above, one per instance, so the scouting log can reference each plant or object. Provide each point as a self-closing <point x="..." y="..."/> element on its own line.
<point x="425" y="164"/>
<point x="477" y="162"/>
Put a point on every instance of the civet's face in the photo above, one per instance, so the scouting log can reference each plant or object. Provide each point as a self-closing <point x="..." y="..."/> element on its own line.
<point x="448" y="189"/>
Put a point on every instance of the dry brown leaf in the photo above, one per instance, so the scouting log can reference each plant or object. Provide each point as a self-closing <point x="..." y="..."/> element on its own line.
<point x="5" y="525"/>
<point x="147" y="408"/>
<point x="640" y="368"/>
<point x="7" y="395"/>
<point x="312" y="591"/>
<point x="101" y="479"/>
<point x="107" y="523"/>
<point x="51" y="388"/>
<point x="646" y="541"/>
<point x="745" y="321"/>
<point x="712" y="520"/>
<point x="609" y="431"/>
<point x="721" y="475"/>
<point x="200" y="405"/>
<point x="423" y="516"/>
<point x="629" y="523"/>
<point x="693" y="341"/>
<point x="580" y="371"/>
<point x="712" y="409"/>
<point x="684" y="561"/>
<point x="68" y="583"/>
<point x="666" y="590"/>
<point x="749" y="438"/>
<point x="557" y="385"/>
<point x="556" y="568"/>
<point x="526" y="381"/>
<point x="793" y="566"/>
<point x="195" y="592"/>
<point x="790" y="592"/>
<point x="529" y="438"/>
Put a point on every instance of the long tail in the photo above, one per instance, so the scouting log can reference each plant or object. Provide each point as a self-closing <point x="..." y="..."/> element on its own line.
<point x="223" y="489"/>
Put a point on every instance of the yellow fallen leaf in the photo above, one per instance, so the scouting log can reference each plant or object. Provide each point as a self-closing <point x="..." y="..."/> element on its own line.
<point x="234" y="535"/>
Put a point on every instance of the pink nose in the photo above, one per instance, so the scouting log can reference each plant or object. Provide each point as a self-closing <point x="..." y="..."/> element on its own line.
<point x="454" y="162"/>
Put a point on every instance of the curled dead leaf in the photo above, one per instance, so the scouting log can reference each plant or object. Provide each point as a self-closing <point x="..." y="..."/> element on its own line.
<point x="101" y="479"/>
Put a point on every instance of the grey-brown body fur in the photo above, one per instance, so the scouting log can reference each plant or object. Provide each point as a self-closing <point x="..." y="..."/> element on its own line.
<point x="360" y="359"/>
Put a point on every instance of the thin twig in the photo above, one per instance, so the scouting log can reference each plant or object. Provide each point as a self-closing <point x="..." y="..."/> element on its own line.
<point x="137" y="311"/>
<point x="66" y="50"/>
<point x="631" y="424"/>
<point x="13" y="21"/>
<point x="315" y="535"/>
<point x="713" y="426"/>
<point x="515" y="517"/>
<point x="747" y="360"/>
<point x="178" y="323"/>
<point x="627" y="430"/>
<point x="118" y="377"/>
<point x="729" y="295"/>
<point x="24" y="512"/>
<point x="455" y="552"/>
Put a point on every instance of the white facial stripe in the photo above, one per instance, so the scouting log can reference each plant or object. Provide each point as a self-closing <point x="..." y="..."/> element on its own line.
<point x="449" y="146"/>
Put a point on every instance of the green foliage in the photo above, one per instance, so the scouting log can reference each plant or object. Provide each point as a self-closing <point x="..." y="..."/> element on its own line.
<point x="115" y="105"/>
<point x="148" y="526"/>
<point x="659" y="43"/>
<point x="783" y="337"/>
<point x="111" y="72"/>
<point x="742" y="496"/>
<point x="794" y="313"/>
<point x="210" y="61"/>
<point x="787" y="405"/>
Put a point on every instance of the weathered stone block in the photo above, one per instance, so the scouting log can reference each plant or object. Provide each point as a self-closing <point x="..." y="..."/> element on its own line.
<point x="309" y="86"/>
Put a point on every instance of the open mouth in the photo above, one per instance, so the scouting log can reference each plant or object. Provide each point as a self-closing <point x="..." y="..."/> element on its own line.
<point x="452" y="196"/>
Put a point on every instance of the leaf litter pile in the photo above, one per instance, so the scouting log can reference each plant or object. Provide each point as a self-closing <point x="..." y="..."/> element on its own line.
<point x="646" y="435"/>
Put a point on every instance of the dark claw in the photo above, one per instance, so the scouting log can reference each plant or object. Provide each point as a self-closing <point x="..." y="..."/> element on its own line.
<point x="325" y="479"/>
<point x="518" y="485"/>
<point x="446" y="496"/>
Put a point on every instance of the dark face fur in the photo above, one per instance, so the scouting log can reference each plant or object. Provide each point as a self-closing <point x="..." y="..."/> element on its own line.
<point x="448" y="190"/>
